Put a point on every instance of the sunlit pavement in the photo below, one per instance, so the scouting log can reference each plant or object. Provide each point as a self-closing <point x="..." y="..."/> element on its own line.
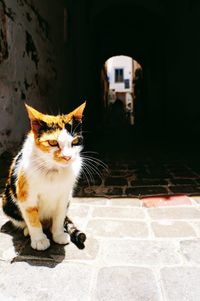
<point x="135" y="250"/>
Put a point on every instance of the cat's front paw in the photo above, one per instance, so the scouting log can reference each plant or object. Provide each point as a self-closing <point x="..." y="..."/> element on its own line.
<point x="40" y="244"/>
<point x="61" y="238"/>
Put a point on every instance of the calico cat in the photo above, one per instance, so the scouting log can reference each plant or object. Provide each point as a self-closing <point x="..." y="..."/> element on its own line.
<point x="42" y="177"/>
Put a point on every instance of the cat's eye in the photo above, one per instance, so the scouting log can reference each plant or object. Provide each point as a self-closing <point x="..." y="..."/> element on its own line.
<point x="53" y="142"/>
<point x="77" y="140"/>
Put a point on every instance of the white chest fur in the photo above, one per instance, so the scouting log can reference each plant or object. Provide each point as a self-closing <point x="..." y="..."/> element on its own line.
<point x="52" y="189"/>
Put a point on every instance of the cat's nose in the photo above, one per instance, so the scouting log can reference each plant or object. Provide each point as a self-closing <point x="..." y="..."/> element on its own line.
<point x="67" y="158"/>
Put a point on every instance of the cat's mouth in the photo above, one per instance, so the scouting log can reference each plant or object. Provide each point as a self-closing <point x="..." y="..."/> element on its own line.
<point x="66" y="160"/>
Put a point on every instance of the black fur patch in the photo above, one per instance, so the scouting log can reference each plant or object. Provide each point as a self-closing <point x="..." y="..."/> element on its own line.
<point x="68" y="127"/>
<point x="44" y="127"/>
<point x="13" y="177"/>
<point x="47" y="128"/>
<point x="76" y="126"/>
<point x="9" y="207"/>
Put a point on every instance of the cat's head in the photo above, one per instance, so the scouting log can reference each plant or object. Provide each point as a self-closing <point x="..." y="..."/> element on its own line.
<point x="57" y="138"/>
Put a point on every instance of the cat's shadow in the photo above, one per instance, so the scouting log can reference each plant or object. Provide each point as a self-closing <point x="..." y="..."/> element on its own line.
<point x="54" y="255"/>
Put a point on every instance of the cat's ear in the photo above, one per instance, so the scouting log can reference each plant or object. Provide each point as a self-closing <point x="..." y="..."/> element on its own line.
<point x="36" y="118"/>
<point x="78" y="112"/>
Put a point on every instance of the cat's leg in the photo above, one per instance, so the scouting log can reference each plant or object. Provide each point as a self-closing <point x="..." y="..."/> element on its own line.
<point x="39" y="240"/>
<point x="58" y="231"/>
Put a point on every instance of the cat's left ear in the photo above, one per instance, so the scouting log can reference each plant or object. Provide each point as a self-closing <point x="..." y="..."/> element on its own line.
<point x="36" y="118"/>
<point x="78" y="112"/>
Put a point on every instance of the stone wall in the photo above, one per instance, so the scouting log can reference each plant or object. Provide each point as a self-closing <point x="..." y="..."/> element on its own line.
<point x="31" y="60"/>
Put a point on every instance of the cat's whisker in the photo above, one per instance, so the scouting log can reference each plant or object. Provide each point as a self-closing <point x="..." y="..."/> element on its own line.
<point x="88" y="172"/>
<point x="97" y="161"/>
<point x="94" y="158"/>
<point x="84" y="152"/>
<point x="85" y="175"/>
<point x="94" y="169"/>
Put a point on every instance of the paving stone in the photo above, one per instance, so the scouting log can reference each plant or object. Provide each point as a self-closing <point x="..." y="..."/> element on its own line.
<point x="139" y="252"/>
<point x="197" y="199"/>
<point x="78" y="211"/>
<point x="88" y="253"/>
<point x="184" y="174"/>
<point x="115" y="191"/>
<point x="115" y="181"/>
<point x="132" y="202"/>
<point x="158" y="174"/>
<point x="181" y="283"/>
<point x="7" y="249"/>
<point x="90" y="201"/>
<point x="174" y="213"/>
<point x="183" y="182"/>
<point x="142" y="174"/>
<point x="24" y="282"/>
<point x="149" y="182"/>
<point x="191" y="250"/>
<point x="172" y="229"/>
<point x="94" y="191"/>
<point x="196" y="226"/>
<point x="117" y="228"/>
<point x="184" y="189"/>
<point x="121" y="173"/>
<point x="114" y="212"/>
<point x="126" y="284"/>
<point x="164" y="201"/>
<point x="146" y="190"/>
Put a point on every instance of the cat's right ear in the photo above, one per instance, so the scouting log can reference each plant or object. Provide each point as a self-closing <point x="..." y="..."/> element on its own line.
<point x="35" y="118"/>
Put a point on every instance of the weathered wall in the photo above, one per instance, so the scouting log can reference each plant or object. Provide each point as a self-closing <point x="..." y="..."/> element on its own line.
<point x="31" y="60"/>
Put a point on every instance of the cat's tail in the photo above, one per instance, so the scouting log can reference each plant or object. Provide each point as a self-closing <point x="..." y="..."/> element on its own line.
<point x="20" y="225"/>
<point x="77" y="236"/>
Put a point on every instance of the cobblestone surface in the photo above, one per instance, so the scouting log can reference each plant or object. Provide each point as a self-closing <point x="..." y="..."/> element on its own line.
<point x="140" y="178"/>
<point x="181" y="283"/>
<point x="132" y="253"/>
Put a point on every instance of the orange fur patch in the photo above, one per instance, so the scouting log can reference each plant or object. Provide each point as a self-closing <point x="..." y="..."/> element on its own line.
<point x="42" y="145"/>
<point x="42" y="142"/>
<point x="33" y="216"/>
<point x="4" y="200"/>
<point x="57" y="156"/>
<point x="10" y="170"/>
<point x="22" y="187"/>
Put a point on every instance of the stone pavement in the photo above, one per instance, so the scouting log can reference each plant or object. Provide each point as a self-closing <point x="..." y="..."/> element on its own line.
<point x="142" y="176"/>
<point x="136" y="250"/>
